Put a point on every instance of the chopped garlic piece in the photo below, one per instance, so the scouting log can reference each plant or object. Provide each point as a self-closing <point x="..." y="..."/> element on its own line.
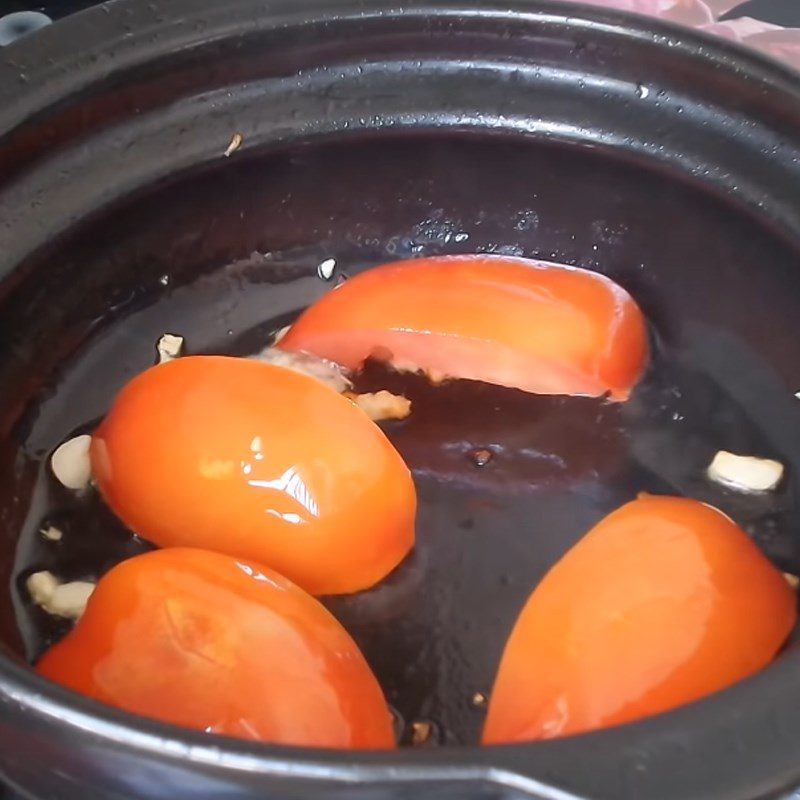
<point x="71" y="464"/>
<point x="280" y="334"/>
<point x="169" y="347"/>
<point x="236" y="142"/>
<point x="381" y="405"/>
<point x="326" y="269"/>
<point x="323" y="370"/>
<point x="42" y="587"/>
<point x="421" y="733"/>
<point x="792" y="580"/>
<point x="70" y="599"/>
<point x="745" y="473"/>
<point x="479" y="700"/>
<point x="66" y="600"/>
<point x="52" y="533"/>
<point x="435" y="376"/>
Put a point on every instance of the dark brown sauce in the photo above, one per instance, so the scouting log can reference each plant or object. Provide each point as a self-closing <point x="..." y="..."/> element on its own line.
<point x="556" y="465"/>
<point x="721" y="376"/>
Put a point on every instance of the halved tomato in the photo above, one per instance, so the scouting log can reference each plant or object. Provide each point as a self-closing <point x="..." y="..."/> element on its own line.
<point x="260" y="462"/>
<point x="225" y="646"/>
<point x="664" y="601"/>
<point x="544" y="328"/>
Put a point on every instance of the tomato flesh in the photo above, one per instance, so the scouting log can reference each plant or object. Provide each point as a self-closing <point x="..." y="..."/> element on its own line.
<point x="544" y="328"/>
<point x="256" y="461"/>
<point x="664" y="601"/>
<point x="227" y="646"/>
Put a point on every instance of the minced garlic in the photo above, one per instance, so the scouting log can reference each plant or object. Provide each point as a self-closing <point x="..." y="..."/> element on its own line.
<point x="745" y="473"/>
<point x="66" y="600"/>
<point x="71" y="464"/>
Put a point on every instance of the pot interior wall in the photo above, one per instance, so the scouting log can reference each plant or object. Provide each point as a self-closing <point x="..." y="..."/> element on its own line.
<point x="226" y="255"/>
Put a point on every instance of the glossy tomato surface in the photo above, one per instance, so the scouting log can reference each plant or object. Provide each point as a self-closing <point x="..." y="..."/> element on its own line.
<point x="223" y="645"/>
<point x="259" y="462"/>
<point x="664" y="601"/>
<point x="544" y="328"/>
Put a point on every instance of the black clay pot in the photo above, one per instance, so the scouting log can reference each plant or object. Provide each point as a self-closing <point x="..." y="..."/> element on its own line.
<point x="375" y="130"/>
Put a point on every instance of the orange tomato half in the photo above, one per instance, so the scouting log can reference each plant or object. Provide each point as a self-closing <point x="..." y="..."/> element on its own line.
<point x="544" y="328"/>
<point x="223" y="645"/>
<point x="664" y="601"/>
<point x="259" y="462"/>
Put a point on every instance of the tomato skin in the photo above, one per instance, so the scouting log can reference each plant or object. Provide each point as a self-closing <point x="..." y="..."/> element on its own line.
<point x="205" y="641"/>
<point x="664" y="601"/>
<point x="259" y="462"/>
<point x="544" y="328"/>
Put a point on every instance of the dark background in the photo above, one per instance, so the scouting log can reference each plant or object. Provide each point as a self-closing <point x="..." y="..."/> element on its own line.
<point x="780" y="12"/>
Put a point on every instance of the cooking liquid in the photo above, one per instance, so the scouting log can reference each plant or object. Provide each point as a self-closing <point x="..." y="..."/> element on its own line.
<point x="488" y="528"/>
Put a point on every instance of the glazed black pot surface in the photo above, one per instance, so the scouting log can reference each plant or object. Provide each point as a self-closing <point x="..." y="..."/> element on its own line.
<point x="372" y="131"/>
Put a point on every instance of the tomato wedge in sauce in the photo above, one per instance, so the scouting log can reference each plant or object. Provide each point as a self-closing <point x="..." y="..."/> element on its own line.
<point x="662" y="602"/>
<point x="222" y="645"/>
<point x="540" y="327"/>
